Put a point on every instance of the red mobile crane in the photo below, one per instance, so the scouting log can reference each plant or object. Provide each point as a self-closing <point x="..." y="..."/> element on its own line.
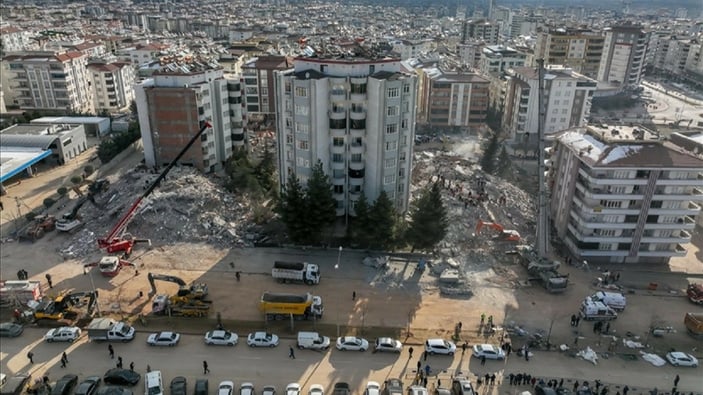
<point x="118" y="240"/>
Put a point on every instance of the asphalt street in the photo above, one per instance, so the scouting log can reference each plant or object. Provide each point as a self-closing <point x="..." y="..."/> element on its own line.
<point x="272" y="366"/>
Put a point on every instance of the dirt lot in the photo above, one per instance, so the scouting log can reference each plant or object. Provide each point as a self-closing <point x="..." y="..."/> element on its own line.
<point x="384" y="298"/>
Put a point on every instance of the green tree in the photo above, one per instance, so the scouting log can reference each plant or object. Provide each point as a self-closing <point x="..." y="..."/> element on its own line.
<point x="265" y="171"/>
<point x="361" y="228"/>
<point x="428" y="220"/>
<point x="240" y="175"/>
<point x="320" y="203"/>
<point x="291" y="208"/>
<point x="505" y="164"/>
<point x="62" y="191"/>
<point x="383" y="217"/>
<point x="489" y="154"/>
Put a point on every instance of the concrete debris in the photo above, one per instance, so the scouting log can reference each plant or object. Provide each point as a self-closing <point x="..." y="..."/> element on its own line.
<point x="376" y="262"/>
<point x="654" y="359"/>
<point x="632" y="344"/>
<point x="450" y="276"/>
<point x="187" y="207"/>
<point x="589" y="355"/>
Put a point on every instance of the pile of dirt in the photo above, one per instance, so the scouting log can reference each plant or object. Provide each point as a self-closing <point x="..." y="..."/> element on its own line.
<point x="187" y="207"/>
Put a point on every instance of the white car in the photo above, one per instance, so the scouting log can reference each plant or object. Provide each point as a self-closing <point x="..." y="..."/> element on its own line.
<point x="316" y="389"/>
<point x="225" y="388"/>
<point x="372" y="388"/>
<point x="352" y="343"/>
<point x="293" y="389"/>
<point x="63" y="334"/>
<point x="169" y="339"/>
<point x="489" y="351"/>
<point x="678" y="358"/>
<point x="387" y="344"/>
<point x="262" y="339"/>
<point x="268" y="390"/>
<point x="246" y="389"/>
<point x="439" y="346"/>
<point x="221" y="338"/>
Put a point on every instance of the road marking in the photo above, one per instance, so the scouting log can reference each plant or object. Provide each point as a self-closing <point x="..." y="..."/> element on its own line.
<point x="253" y="358"/>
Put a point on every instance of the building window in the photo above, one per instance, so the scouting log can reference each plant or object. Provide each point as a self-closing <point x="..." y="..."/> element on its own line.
<point x="339" y="189"/>
<point x="289" y="139"/>
<point x="301" y="109"/>
<point x="390" y="163"/>
<point x="393" y="92"/>
<point x="356" y="158"/>
<point x="406" y="88"/>
<point x="303" y="145"/>
<point x="391" y="145"/>
<point x="338" y="141"/>
<point x="404" y="124"/>
<point x="389" y="179"/>
<point x="302" y="128"/>
<point x="611" y="203"/>
<point x="287" y="86"/>
<point x="392" y="128"/>
<point x="392" y="111"/>
<point x="301" y="92"/>
<point x="337" y="158"/>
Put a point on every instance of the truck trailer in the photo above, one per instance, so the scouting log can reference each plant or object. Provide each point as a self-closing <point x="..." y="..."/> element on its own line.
<point x="105" y="329"/>
<point x="304" y="272"/>
<point x="278" y="306"/>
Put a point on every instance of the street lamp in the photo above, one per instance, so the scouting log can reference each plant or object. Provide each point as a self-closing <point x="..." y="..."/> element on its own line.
<point x="339" y="258"/>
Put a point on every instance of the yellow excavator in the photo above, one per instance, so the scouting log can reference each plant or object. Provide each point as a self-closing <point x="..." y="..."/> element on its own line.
<point x="65" y="309"/>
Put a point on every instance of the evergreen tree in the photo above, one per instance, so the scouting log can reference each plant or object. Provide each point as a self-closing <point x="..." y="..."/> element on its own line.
<point x="320" y="204"/>
<point x="505" y="165"/>
<point x="291" y="208"/>
<point x="489" y="154"/>
<point x="361" y="224"/>
<point x="266" y="170"/>
<point x="382" y="217"/>
<point x="428" y="220"/>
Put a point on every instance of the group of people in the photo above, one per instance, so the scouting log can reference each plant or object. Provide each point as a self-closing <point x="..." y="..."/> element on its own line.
<point x="521" y="379"/>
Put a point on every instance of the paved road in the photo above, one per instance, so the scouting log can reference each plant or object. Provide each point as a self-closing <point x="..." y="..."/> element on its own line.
<point x="273" y="367"/>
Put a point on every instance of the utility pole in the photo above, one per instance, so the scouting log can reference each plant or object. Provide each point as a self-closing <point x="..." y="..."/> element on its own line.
<point x="542" y="222"/>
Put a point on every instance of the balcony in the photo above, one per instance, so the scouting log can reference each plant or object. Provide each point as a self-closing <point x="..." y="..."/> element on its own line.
<point x="679" y="250"/>
<point x="587" y="209"/>
<point x="684" y="237"/>
<point x="357" y="165"/>
<point x="603" y="193"/>
<point x="338" y="165"/>
<point x="357" y="115"/>
<point x="338" y="95"/>
<point x="696" y="194"/>
<point x="684" y="223"/>
<point x="357" y="148"/>
<point x="337" y="114"/>
<point x="357" y="132"/>
<point x="337" y="149"/>
<point x="591" y="223"/>
<point x="338" y="132"/>
<point x="594" y="238"/>
<point x="604" y="179"/>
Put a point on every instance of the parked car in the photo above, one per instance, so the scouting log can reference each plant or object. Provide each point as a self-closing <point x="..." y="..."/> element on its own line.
<point x="117" y="376"/>
<point x="225" y="388"/>
<point x="88" y="386"/>
<point x="417" y="390"/>
<point x="169" y="339"/>
<point x="316" y="389"/>
<point x="221" y="338"/>
<point x="10" y="329"/>
<point x="113" y="390"/>
<point x="678" y="358"/>
<point x="179" y="386"/>
<point x="64" y="386"/>
<point x="293" y="389"/>
<point x="246" y="389"/>
<point x="341" y="388"/>
<point x="439" y="346"/>
<point x="489" y="351"/>
<point x="16" y="384"/>
<point x="388" y="344"/>
<point x="372" y="388"/>
<point x="352" y="343"/>
<point x="269" y="390"/>
<point x="262" y="339"/>
<point x="63" y="334"/>
<point x="393" y="386"/>
<point x="201" y="387"/>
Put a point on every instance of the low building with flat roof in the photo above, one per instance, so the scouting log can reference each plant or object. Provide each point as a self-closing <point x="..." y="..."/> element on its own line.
<point x="65" y="141"/>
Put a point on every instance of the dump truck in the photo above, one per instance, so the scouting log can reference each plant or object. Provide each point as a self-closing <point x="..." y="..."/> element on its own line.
<point x="36" y="229"/>
<point x="695" y="293"/>
<point x="694" y="324"/>
<point x="279" y="306"/>
<point x="179" y="306"/>
<point x="304" y="272"/>
<point x="105" y="329"/>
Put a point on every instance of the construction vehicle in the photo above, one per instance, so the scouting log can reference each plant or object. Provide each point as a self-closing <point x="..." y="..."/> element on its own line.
<point x="118" y="240"/>
<point x="695" y="293"/>
<point x="195" y="290"/>
<point x="694" y="324"/>
<point x="70" y="221"/>
<point x="178" y="306"/>
<point x="502" y="233"/>
<point x="277" y="306"/>
<point x="66" y="309"/>
<point x="36" y="229"/>
<point x="543" y="271"/>
<point x="307" y="273"/>
<point x="109" y="266"/>
<point x="16" y="293"/>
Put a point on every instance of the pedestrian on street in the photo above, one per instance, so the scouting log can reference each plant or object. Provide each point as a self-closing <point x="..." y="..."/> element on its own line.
<point x="427" y="370"/>
<point x="578" y="319"/>
<point x="119" y="362"/>
<point x="424" y="355"/>
<point x="419" y="365"/>
<point x="460" y="325"/>
<point x="64" y="357"/>
<point x="353" y="295"/>
<point x="131" y="366"/>
<point x="111" y="351"/>
<point x="487" y="379"/>
<point x="463" y="348"/>
<point x="625" y="390"/>
<point x="509" y="349"/>
<point x="439" y="383"/>
<point x="30" y="356"/>
<point x="493" y="379"/>
<point x="576" y="341"/>
<point x="206" y="369"/>
<point x="148" y="368"/>
<point x="527" y="355"/>
<point x="291" y="352"/>
<point x="561" y="383"/>
<point x="424" y="381"/>
<point x="607" y="327"/>
<point x="483" y="360"/>
<point x="518" y="379"/>
<point x="510" y="378"/>
<point x="483" y="318"/>
<point x="48" y="280"/>
<point x="676" y="380"/>
<point x="410" y="351"/>
<point x="238" y="274"/>
<point x="573" y="319"/>
<point x="576" y="385"/>
<point x="63" y="363"/>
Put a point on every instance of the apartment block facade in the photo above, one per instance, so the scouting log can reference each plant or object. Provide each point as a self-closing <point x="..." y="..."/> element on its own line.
<point x="480" y="30"/>
<point x="497" y="59"/>
<point x="44" y="80"/>
<point x="623" y="195"/>
<point x="624" y="50"/>
<point x="172" y="107"/>
<point x="112" y="84"/>
<point x="258" y="74"/>
<point x="452" y="98"/>
<point x="568" y="100"/>
<point x="357" y="116"/>
<point x="579" y="49"/>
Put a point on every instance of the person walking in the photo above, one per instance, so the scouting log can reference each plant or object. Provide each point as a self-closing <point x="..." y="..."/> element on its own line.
<point x="353" y="296"/>
<point x="119" y="362"/>
<point x="483" y="318"/>
<point x="493" y="379"/>
<point x="427" y="370"/>
<point x="676" y="380"/>
<point x="291" y="352"/>
<point x="131" y="366"/>
<point x="483" y="360"/>
<point x="419" y="365"/>
<point x="410" y="351"/>
<point x="578" y="319"/>
<point x="63" y="363"/>
<point x="463" y="348"/>
<point x="527" y="355"/>
<point x="573" y="319"/>
<point x="111" y="351"/>
<point x="64" y="357"/>
<point x="30" y="356"/>
<point x="206" y="369"/>
<point x="625" y="390"/>
<point x="424" y="356"/>
<point x="576" y="385"/>
<point x="238" y="274"/>
<point x="48" y="280"/>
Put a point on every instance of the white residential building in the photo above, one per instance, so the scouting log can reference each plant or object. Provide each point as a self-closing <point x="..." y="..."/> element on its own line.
<point x="42" y="80"/>
<point x="496" y="59"/>
<point x="622" y="195"/>
<point x="13" y="39"/>
<point x="112" y="84"/>
<point x="357" y="116"/>
<point x="623" y="57"/>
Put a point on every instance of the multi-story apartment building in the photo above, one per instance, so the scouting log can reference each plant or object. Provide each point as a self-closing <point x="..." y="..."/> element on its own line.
<point x="173" y="105"/>
<point x="496" y="59"/>
<point x="567" y="105"/>
<point x="579" y="49"/>
<point x="13" y="39"/>
<point x="624" y="50"/>
<point x="412" y="48"/>
<point x="112" y="84"/>
<point x="470" y="53"/>
<point x="259" y="78"/>
<point x="356" y="115"/>
<point x="622" y="195"/>
<point x="480" y="30"/>
<point x="41" y="80"/>
<point x="450" y="98"/>
<point x="144" y="53"/>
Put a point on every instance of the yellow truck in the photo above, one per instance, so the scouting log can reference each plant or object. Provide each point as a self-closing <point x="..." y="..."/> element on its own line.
<point x="280" y="306"/>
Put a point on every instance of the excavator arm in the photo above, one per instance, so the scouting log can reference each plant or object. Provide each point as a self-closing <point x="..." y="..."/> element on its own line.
<point x="163" y="277"/>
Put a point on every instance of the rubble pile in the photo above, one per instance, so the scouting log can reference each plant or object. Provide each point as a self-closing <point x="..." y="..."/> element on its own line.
<point x="187" y="207"/>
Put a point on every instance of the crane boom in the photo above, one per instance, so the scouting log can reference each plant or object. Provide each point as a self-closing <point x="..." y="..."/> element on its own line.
<point x="114" y="241"/>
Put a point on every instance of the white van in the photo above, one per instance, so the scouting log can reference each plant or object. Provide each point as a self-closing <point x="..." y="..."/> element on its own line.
<point x="153" y="384"/>
<point x="596" y="311"/>
<point x="313" y="341"/>
<point x="615" y="300"/>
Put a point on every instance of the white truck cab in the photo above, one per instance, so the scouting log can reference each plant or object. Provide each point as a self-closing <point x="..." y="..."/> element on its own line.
<point x="313" y="341"/>
<point x="615" y="300"/>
